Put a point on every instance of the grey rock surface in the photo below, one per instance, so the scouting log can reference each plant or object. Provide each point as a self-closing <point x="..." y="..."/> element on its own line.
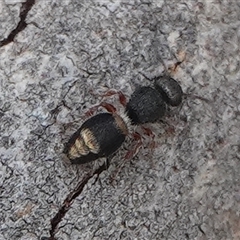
<point x="188" y="187"/>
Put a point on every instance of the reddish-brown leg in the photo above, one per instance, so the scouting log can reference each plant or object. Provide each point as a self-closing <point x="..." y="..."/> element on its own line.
<point x="150" y="134"/>
<point x="121" y="96"/>
<point x="151" y="143"/>
<point x="131" y="153"/>
<point x="109" y="107"/>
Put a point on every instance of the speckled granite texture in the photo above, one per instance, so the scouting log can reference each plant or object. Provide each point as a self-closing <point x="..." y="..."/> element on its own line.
<point x="55" y="55"/>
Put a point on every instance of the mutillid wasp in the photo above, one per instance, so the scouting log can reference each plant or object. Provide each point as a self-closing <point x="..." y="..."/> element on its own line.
<point x="103" y="134"/>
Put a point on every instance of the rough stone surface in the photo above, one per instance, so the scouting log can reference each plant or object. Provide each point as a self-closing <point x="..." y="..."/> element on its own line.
<point x="189" y="187"/>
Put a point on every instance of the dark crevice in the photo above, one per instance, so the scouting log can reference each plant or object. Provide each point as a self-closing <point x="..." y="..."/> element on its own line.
<point x="201" y="230"/>
<point x="26" y="7"/>
<point x="69" y="200"/>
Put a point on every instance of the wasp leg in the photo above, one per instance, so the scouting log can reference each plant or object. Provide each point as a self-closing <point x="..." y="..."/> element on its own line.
<point x="129" y="155"/>
<point x="109" y="107"/>
<point x="121" y="97"/>
<point x="150" y="134"/>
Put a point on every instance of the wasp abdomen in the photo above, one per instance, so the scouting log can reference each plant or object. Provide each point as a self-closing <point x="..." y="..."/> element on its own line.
<point x="99" y="136"/>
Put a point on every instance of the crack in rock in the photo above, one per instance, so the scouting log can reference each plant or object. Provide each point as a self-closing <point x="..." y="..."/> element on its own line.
<point x="69" y="200"/>
<point x="26" y="7"/>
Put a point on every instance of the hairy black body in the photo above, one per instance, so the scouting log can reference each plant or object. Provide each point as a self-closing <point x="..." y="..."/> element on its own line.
<point x="146" y="105"/>
<point x="106" y="133"/>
